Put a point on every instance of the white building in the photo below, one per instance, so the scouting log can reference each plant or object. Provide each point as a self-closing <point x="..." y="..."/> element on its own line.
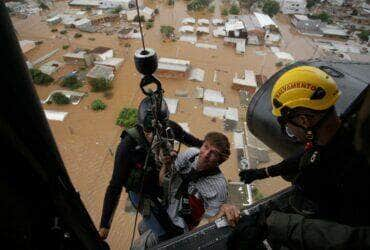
<point x="173" y="68"/>
<point x="307" y="26"/>
<point x="111" y="4"/>
<point x="113" y="62"/>
<point x="202" y="30"/>
<point x="27" y="45"/>
<point x="102" y="53"/>
<point x="248" y="83"/>
<point x="100" y="71"/>
<point x="203" y="21"/>
<point x="293" y="6"/>
<point x="130" y="15"/>
<point x="188" y="20"/>
<point x="336" y="2"/>
<point x="265" y="21"/>
<point x="186" y="29"/>
<point x="147" y="12"/>
<point x="217" y="21"/>
<point x="84" y="3"/>
<point x="54" y="20"/>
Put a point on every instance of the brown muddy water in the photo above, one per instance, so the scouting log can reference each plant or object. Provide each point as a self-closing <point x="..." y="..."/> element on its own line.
<point x="85" y="138"/>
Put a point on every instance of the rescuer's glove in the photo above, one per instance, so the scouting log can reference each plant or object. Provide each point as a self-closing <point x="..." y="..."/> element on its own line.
<point x="249" y="175"/>
<point x="250" y="232"/>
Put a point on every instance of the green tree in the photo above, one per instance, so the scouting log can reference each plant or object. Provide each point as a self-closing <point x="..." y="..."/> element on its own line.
<point x="60" y="99"/>
<point x="97" y="105"/>
<point x="149" y="24"/>
<point x="224" y="12"/>
<point x="127" y="118"/>
<point x="65" y="47"/>
<point x="234" y="10"/>
<point x="77" y="35"/>
<point x="364" y="35"/>
<point x="197" y="4"/>
<point x="167" y="31"/>
<point x="271" y="8"/>
<point x="323" y="16"/>
<point x="40" y="78"/>
<point x="136" y="18"/>
<point x="100" y="84"/>
<point x="117" y="10"/>
<point x="63" y="32"/>
<point x="311" y="3"/>
<point x="43" y="6"/>
<point x="71" y="82"/>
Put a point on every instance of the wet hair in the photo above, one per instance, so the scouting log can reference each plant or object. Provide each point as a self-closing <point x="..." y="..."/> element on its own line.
<point x="221" y="142"/>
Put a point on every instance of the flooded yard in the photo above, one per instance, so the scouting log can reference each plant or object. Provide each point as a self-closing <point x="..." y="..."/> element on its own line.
<point x="86" y="139"/>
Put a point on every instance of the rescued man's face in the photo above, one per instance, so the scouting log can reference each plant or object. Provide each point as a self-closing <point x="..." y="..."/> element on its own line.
<point x="209" y="156"/>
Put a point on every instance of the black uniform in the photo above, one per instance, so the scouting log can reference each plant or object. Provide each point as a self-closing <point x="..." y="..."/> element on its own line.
<point x="336" y="181"/>
<point x="131" y="155"/>
<point x="331" y="206"/>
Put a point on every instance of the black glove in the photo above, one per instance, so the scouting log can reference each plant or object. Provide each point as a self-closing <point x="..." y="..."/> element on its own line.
<point x="250" y="232"/>
<point x="249" y="175"/>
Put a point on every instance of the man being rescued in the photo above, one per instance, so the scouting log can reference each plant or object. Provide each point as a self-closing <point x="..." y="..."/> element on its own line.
<point x="195" y="188"/>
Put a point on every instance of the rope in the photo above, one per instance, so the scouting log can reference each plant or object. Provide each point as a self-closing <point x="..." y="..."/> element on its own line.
<point x="141" y="29"/>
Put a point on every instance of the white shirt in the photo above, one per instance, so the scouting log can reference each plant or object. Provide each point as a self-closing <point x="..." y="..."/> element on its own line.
<point x="211" y="189"/>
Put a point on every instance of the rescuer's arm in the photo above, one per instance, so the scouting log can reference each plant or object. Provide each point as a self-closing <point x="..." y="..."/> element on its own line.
<point x="118" y="180"/>
<point x="286" y="167"/>
<point x="296" y="232"/>
<point x="184" y="137"/>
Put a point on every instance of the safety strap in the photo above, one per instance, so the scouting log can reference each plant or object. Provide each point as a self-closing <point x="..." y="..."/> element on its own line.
<point x="160" y="213"/>
<point x="194" y="176"/>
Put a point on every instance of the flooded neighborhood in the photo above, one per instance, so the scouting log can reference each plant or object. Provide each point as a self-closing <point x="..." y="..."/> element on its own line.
<point x="213" y="56"/>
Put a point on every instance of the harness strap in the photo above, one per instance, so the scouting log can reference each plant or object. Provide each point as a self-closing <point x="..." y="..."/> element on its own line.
<point x="194" y="176"/>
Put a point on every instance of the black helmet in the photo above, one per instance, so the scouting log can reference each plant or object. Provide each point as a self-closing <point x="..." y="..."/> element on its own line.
<point x="145" y="114"/>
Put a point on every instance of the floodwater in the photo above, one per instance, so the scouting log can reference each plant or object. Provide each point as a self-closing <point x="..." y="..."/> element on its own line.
<point x="86" y="138"/>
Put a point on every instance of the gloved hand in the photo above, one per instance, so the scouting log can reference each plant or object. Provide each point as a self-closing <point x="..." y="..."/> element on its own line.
<point x="250" y="232"/>
<point x="249" y="175"/>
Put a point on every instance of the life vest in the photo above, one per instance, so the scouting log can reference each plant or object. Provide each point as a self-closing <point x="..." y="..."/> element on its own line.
<point x="136" y="173"/>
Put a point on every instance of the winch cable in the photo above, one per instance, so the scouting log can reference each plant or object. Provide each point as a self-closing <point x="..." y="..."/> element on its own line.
<point x="150" y="145"/>
<point x="141" y="28"/>
<point x="155" y="98"/>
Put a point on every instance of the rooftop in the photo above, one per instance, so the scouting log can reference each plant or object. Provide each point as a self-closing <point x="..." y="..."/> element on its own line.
<point x="80" y="55"/>
<point x="234" y="25"/>
<point x="188" y="20"/>
<point x="173" y="64"/>
<point x="101" y="71"/>
<point x="100" y="50"/>
<point x="248" y="80"/>
<point x="186" y="28"/>
<point x="334" y="30"/>
<point x="301" y="17"/>
<point x="81" y="22"/>
<point x="264" y="20"/>
<point x="84" y="2"/>
<point x="203" y="21"/>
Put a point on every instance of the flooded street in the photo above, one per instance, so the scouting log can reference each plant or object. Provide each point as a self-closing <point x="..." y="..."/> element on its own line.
<point x="86" y="138"/>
